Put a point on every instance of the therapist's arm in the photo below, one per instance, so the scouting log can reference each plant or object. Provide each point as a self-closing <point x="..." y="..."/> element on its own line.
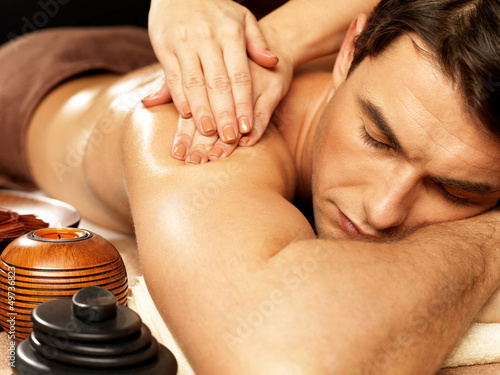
<point x="303" y="30"/>
<point x="246" y="288"/>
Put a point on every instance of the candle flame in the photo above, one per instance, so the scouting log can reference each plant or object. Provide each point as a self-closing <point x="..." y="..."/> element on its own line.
<point x="59" y="226"/>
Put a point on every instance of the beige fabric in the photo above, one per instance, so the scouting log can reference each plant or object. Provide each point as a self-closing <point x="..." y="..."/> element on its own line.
<point x="480" y="345"/>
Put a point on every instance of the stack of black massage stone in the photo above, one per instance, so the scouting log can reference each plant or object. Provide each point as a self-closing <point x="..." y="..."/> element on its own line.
<point x="91" y="334"/>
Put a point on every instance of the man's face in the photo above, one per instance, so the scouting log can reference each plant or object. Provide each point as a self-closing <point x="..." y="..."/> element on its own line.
<point x="396" y="150"/>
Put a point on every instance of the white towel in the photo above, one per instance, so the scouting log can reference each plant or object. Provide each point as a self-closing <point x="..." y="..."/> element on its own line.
<point x="480" y="345"/>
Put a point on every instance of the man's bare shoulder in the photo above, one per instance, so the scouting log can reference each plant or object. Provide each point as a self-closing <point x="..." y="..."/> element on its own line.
<point x="149" y="135"/>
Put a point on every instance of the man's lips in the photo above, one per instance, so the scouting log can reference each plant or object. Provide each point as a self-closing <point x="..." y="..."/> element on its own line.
<point x="348" y="226"/>
<point x="351" y="228"/>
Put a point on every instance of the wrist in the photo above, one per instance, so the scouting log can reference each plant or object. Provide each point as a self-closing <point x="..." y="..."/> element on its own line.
<point x="300" y="39"/>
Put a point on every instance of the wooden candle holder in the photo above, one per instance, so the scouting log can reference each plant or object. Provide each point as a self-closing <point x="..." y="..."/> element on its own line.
<point x="52" y="263"/>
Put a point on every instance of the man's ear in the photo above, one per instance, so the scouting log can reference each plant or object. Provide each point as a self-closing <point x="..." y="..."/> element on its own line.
<point x="346" y="53"/>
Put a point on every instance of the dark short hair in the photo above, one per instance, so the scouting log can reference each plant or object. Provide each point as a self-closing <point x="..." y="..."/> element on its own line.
<point x="463" y="36"/>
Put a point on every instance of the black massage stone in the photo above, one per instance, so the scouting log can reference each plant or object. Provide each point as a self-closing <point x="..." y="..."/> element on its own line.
<point x="136" y="341"/>
<point x="55" y="317"/>
<point x="64" y="356"/>
<point x="94" y="304"/>
<point x="91" y="334"/>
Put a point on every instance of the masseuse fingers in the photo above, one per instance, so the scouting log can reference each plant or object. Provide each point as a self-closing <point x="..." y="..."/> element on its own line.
<point x="171" y="90"/>
<point x="256" y="43"/>
<point x="238" y="70"/>
<point x="175" y="82"/>
<point x="194" y="86"/>
<point x="162" y="96"/>
<point x="264" y="107"/>
<point x="219" y="91"/>
<point x="221" y="150"/>
<point x="183" y="139"/>
<point x="198" y="153"/>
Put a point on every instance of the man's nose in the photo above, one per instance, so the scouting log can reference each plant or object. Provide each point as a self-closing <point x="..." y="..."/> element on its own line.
<point x="389" y="199"/>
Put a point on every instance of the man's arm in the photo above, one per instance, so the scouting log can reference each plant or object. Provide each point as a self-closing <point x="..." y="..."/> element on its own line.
<point x="245" y="287"/>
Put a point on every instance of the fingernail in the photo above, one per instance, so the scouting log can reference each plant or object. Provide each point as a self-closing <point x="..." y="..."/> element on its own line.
<point x="193" y="159"/>
<point x="244" y="141"/>
<point x="180" y="150"/>
<point x="244" y="125"/>
<point x="150" y="96"/>
<point x="207" y="125"/>
<point x="186" y="111"/>
<point x="270" y="54"/>
<point x="229" y="135"/>
<point x="216" y="152"/>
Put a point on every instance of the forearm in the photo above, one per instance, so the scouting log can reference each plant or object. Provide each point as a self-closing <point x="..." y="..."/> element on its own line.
<point x="394" y="308"/>
<point x="303" y="30"/>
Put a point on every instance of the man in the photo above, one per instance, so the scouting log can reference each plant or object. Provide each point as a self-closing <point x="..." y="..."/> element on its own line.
<point x="239" y="275"/>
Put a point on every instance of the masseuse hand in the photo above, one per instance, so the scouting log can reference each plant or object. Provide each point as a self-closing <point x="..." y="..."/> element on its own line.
<point x="202" y="47"/>
<point x="270" y="85"/>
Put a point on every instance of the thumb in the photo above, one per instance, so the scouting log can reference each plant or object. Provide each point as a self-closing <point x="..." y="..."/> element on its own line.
<point x="256" y="44"/>
<point x="162" y="96"/>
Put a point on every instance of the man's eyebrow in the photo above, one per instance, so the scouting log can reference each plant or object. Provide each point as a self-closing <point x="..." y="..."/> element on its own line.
<point x="471" y="187"/>
<point x="378" y="118"/>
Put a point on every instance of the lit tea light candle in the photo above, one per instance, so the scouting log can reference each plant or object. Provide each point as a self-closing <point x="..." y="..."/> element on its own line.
<point x="59" y="234"/>
<point x="55" y="261"/>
